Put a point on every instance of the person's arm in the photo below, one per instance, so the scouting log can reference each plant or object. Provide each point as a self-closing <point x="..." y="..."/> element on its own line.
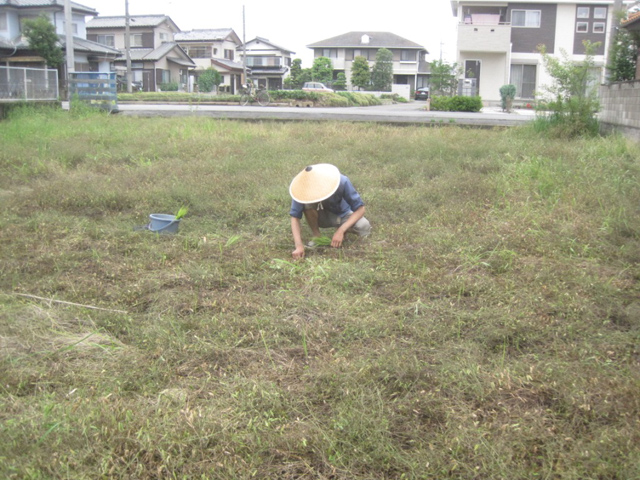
<point x="296" y="231"/>
<point x="338" y="237"/>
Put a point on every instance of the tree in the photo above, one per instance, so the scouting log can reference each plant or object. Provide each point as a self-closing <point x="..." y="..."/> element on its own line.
<point x="444" y="79"/>
<point x="340" y="83"/>
<point x="293" y="81"/>
<point x="208" y="79"/>
<point x="43" y="39"/>
<point x="623" y="52"/>
<point x="623" y="56"/>
<point x="360" y="73"/>
<point x="322" y="70"/>
<point x="572" y="97"/>
<point x="382" y="71"/>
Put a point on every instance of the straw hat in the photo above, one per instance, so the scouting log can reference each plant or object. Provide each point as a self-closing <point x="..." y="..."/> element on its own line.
<point x="315" y="183"/>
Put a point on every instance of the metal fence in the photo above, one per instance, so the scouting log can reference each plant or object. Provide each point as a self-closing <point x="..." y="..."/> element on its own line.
<point x="19" y="84"/>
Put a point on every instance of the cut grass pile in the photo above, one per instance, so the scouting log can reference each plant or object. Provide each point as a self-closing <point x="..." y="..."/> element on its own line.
<point x="489" y="328"/>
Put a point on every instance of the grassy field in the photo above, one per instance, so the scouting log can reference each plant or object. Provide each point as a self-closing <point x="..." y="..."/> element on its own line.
<point x="488" y="329"/>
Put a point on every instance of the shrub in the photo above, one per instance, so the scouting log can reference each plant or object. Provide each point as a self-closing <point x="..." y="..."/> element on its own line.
<point x="208" y="79"/>
<point x="507" y="94"/>
<point x="169" y="87"/>
<point x="456" y="104"/>
<point x="572" y="96"/>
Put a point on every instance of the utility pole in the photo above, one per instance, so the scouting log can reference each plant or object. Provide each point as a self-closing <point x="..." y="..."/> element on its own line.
<point x="68" y="30"/>
<point x="244" y="49"/>
<point x="127" y="44"/>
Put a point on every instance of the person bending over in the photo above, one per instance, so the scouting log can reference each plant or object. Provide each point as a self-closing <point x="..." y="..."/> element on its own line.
<point x="327" y="199"/>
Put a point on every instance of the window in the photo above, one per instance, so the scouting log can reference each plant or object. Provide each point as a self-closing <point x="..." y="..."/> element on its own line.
<point x="407" y="56"/>
<point x="598" y="27"/>
<point x="582" y="27"/>
<point x="26" y="17"/>
<point x="165" y="37"/>
<point x="108" y="40"/>
<point x="166" y="76"/>
<point x="74" y="27"/>
<point x="136" y="40"/>
<point x="526" y="18"/>
<point x="524" y="78"/>
<point x="3" y="21"/>
<point x="228" y="54"/>
<point x="330" y="52"/>
<point x="600" y="12"/>
<point x="367" y="53"/>
<point x="198" y="52"/>
<point x="583" y="12"/>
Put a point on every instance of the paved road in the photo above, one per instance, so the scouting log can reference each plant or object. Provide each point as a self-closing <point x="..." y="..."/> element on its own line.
<point x="401" y="113"/>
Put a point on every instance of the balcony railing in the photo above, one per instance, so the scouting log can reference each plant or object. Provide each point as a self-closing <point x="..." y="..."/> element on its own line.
<point x="494" y="38"/>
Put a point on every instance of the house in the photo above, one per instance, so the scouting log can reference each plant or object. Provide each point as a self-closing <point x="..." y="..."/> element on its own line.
<point x="156" y="59"/>
<point x="268" y="62"/>
<point x="409" y="64"/>
<point x="632" y="24"/>
<point x="498" y="41"/>
<point x="215" y="48"/>
<point x="15" y="50"/>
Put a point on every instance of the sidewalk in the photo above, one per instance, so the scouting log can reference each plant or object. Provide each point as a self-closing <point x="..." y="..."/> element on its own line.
<point x="530" y="112"/>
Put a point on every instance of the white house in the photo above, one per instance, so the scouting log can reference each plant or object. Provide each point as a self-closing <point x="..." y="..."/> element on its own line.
<point x="409" y="63"/>
<point x="15" y="50"/>
<point x="215" y="48"/>
<point x="269" y="63"/>
<point x="156" y="59"/>
<point x="498" y="41"/>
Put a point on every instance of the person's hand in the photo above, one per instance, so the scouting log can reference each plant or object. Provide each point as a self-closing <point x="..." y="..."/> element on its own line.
<point x="298" y="253"/>
<point x="337" y="239"/>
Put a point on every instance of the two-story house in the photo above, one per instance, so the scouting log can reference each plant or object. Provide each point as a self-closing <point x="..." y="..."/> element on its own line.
<point x="409" y="64"/>
<point x="156" y="59"/>
<point x="498" y="41"/>
<point x="15" y="50"/>
<point x="215" y="48"/>
<point x="269" y="63"/>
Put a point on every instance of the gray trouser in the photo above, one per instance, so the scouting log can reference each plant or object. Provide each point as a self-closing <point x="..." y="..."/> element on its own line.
<point x="328" y="219"/>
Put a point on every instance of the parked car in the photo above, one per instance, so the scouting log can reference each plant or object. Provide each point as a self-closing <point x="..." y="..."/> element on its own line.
<point x="316" y="87"/>
<point x="421" y="94"/>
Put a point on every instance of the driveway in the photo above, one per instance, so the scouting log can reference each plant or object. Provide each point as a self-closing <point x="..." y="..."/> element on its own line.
<point x="412" y="112"/>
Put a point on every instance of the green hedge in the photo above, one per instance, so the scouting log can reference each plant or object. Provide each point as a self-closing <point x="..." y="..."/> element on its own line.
<point x="456" y="104"/>
<point x="337" y="99"/>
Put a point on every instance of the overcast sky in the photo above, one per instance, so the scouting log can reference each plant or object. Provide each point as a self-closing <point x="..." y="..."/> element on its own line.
<point x="296" y="24"/>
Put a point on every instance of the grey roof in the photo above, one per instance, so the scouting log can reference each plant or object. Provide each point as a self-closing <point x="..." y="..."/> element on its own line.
<point x="266" y="40"/>
<point x="84" y="45"/>
<point x="134" y="21"/>
<point x="231" y="65"/>
<point x="203" y="34"/>
<point x="79" y="44"/>
<point x="153" y="55"/>
<point x="376" y="40"/>
<point x="48" y="3"/>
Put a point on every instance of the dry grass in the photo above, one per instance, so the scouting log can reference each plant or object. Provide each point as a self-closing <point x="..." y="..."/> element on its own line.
<point x="488" y="329"/>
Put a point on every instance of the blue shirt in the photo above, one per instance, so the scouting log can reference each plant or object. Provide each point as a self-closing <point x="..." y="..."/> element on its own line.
<point x="344" y="200"/>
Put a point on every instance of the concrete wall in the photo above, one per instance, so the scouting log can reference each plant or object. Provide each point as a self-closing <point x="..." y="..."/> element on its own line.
<point x="620" y="108"/>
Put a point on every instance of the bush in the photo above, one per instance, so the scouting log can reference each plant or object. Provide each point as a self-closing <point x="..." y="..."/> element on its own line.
<point x="507" y="94"/>
<point x="209" y="79"/>
<point x="456" y="104"/>
<point x="169" y="87"/>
